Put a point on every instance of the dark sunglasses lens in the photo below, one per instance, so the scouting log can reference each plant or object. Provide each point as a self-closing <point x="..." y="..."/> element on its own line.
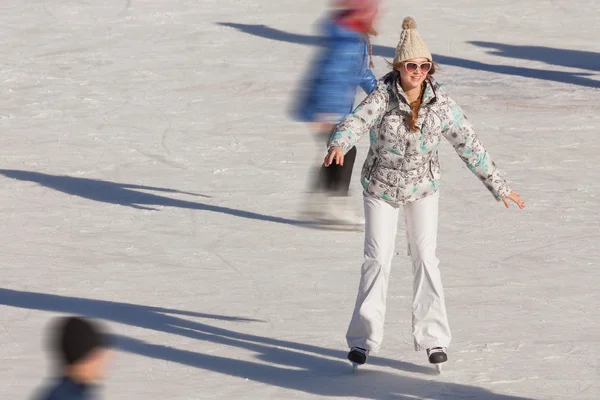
<point x="411" y="67"/>
<point x="425" y="67"/>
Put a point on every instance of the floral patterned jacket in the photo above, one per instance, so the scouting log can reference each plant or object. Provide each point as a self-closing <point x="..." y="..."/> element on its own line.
<point x="403" y="166"/>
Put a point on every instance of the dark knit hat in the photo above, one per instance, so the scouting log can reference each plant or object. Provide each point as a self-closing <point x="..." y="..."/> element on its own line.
<point x="76" y="337"/>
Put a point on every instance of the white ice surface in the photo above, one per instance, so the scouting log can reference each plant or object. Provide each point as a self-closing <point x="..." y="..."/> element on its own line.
<point x="211" y="288"/>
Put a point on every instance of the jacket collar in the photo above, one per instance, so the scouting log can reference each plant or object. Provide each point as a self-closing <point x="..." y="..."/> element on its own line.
<point x="392" y="81"/>
<point x="430" y="95"/>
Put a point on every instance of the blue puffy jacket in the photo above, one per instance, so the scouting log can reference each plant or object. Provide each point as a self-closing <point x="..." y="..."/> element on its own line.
<point x="341" y="66"/>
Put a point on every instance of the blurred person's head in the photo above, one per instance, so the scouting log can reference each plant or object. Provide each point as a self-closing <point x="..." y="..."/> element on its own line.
<point x="82" y="348"/>
<point x="357" y="15"/>
<point x="413" y="59"/>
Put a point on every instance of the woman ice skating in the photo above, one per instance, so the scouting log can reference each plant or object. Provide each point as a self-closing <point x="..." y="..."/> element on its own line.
<point x="406" y="117"/>
<point x="328" y="95"/>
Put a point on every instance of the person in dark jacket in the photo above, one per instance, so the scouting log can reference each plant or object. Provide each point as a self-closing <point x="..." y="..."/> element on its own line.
<point x="328" y="96"/>
<point x="82" y="349"/>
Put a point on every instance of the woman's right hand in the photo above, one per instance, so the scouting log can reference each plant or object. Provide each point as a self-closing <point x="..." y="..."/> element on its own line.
<point x="337" y="154"/>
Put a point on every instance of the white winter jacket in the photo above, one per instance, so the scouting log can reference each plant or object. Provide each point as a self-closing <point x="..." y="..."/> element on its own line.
<point x="403" y="166"/>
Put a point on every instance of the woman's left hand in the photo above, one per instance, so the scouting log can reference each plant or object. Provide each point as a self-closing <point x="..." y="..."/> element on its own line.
<point x="516" y="198"/>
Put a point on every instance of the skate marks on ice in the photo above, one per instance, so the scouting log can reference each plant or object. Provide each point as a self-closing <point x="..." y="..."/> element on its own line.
<point x="339" y="227"/>
<point x="80" y="12"/>
<point x="130" y="195"/>
<point x="288" y="365"/>
<point x="544" y="53"/>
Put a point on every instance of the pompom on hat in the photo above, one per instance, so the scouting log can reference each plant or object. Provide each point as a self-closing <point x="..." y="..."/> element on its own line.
<point x="411" y="45"/>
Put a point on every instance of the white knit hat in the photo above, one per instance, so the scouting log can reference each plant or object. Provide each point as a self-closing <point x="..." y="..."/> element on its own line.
<point x="410" y="45"/>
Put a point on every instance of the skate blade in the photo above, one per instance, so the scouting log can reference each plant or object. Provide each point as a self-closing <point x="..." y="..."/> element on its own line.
<point x="438" y="368"/>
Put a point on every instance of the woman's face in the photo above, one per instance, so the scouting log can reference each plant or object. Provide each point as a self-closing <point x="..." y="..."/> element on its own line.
<point x="413" y="72"/>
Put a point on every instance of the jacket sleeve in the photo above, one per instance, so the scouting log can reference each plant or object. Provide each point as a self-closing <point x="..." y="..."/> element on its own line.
<point x="368" y="82"/>
<point x="460" y="133"/>
<point x="334" y="78"/>
<point x="364" y="117"/>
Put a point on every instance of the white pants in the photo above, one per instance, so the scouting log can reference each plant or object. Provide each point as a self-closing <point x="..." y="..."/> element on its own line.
<point x="429" y="319"/>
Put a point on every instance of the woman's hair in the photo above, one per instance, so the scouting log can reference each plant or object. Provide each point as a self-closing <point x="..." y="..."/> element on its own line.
<point x="414" y="106"/>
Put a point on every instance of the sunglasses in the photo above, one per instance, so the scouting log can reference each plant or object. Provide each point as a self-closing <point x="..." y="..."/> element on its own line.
<point x="413" y="67"/>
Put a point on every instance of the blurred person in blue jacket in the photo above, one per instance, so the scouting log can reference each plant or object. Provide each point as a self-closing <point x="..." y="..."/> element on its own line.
<point x="82" y="350"/>
<point x="342" y="65"/>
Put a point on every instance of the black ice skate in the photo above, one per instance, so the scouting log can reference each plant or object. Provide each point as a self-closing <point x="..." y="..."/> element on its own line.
<point x="358" y="356"/>
<point x="437" y="356"/>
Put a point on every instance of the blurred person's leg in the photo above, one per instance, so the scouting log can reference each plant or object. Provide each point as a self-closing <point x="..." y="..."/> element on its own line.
<point x="340" y="176"/>
<point x="319" y="183"/>
<point x="329" y="198"/>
